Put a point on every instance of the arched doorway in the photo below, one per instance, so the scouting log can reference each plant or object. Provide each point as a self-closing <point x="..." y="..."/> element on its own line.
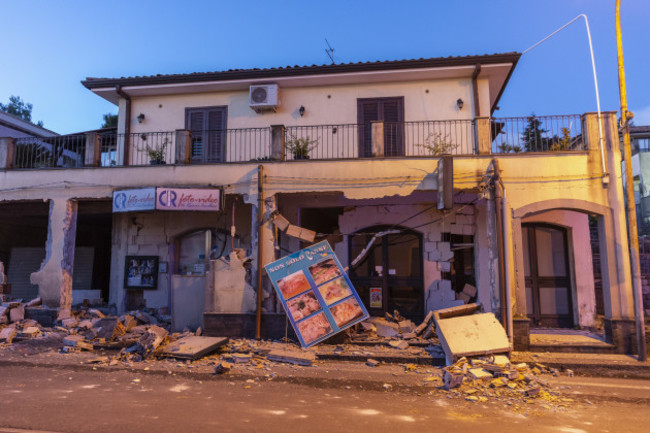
<point x="547" y="275"/>
<point x="390" y="276"/>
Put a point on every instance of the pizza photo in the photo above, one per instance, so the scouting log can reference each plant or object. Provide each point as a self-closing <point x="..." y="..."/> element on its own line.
<point x="346" y="311"/>
<point x="314" y="327"/>
<point x="293" y="284"/>
<point x="324" y="271"/>
<point x="335" y="291"/>
<point x="303" y="306"/>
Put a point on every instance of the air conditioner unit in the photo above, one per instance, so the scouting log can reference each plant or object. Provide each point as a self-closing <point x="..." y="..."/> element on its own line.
<point x="264" y="97"/>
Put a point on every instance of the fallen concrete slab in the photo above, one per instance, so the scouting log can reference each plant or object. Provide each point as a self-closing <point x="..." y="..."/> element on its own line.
<point x="292" y="357"/>
<point x="464" y="333"/>
<point x="193" y="347"/>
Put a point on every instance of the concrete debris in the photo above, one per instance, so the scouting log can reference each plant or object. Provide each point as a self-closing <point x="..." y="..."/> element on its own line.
<point x="29" y="332"/>
<point x="109" y="328"/>
<point x="298" y="357"/>
<point x="399" y="344"/>
<point x="7" y="334"/>
<point x="150" y="340"/>
<point x="464" y="332"/>
<point x="222" y="367"/>
<point x="34" y="302"/>
<point x="494" y="376"/>
<point x="240" y="358"/>
<point x="193" y="347"/>
<point x="16" y="313"/>
<point x="372" y="362"/>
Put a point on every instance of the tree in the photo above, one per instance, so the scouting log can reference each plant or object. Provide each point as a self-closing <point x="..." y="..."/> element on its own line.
<point x="19" y="108"/>
<point x="110" y="120"/>
<point x="533" y="136"/>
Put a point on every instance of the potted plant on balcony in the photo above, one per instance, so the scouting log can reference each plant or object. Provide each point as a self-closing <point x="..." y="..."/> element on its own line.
<point x="157" y="153"/>
<point x="299" y="147"/>
<point x="437" y="144"/>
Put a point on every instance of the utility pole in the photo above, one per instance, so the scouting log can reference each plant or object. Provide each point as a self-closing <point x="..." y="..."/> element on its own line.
<point x="632" y="230"/>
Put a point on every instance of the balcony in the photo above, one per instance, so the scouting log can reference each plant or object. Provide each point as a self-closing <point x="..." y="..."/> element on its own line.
<point x="289" y="143"/>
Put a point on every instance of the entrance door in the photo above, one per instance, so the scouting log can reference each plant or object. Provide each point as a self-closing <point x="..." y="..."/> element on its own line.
<point x="390" y="276"/>
<point x="390" y="111"/>
<point x="548" y="282"/>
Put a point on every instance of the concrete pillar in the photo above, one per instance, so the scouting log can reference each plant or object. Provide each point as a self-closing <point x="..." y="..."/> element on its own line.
<point x="482" y="135"/>
<point x="277" y="142"/>
<point x="7" y="152"/>
<point x="93" y="153"/>
<point x="54" y="278"/>
<point x="183" y="141"/>
<point x="377" y="140"/>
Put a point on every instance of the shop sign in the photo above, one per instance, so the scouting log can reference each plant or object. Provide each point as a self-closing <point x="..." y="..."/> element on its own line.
<point x="188" y="199"/>
<point x="316" y="293"/>
<point x="133" y="200"/>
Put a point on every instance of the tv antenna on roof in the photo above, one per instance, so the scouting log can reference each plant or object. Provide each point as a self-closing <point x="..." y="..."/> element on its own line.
<point x="329" y="51"/>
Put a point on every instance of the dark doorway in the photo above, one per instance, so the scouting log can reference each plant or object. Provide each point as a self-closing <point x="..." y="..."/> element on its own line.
<point x="389" y="277"/>
<point x="547" y="276"/>
<point x="390" y="111"/>
<point x="92" y="261"/>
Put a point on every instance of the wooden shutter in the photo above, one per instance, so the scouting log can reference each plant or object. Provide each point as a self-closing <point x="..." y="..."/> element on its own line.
<point x="215" y="140"/>
<point x="391" y="112"/>
<point x="195" y="125"/>
<point x="392" y="115"/>
<point x="208" y="128"/>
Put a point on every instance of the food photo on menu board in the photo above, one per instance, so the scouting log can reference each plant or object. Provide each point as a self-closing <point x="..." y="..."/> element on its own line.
<point x="316" y="293"/>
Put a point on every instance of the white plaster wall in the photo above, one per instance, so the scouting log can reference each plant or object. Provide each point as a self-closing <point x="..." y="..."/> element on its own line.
<point x="582" y="271"/>
<point x="423" y="100"/>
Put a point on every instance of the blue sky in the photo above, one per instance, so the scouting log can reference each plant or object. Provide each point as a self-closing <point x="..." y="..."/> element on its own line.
<point x="50" y="46"/>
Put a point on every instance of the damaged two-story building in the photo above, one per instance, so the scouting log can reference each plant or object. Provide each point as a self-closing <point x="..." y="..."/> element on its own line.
<point x="210" y="176"/>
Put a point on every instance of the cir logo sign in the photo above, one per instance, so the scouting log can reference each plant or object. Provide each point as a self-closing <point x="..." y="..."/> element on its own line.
<point x="192" y="199"/>
<point x="131" y="200"/>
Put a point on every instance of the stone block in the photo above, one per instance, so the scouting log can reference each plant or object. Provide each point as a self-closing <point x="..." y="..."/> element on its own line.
<point x="44" y="316"/>
<point x="7" y="334"/>
<point x="29" y="332"/>
<point x="17" y="314"/>
<point x="109" y="328"/>
<point x="69" y="323"/>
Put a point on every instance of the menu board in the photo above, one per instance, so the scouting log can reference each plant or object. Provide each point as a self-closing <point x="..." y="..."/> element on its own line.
<point x="316" y="293"/>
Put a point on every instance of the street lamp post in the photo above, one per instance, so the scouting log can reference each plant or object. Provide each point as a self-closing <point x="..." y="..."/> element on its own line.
<point x="629" y="192"/>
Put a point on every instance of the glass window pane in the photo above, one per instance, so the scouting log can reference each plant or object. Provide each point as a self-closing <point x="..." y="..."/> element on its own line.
<point x="550" y="252"/>
<point x="403" y="255"/>
<point x="554" y="300"/>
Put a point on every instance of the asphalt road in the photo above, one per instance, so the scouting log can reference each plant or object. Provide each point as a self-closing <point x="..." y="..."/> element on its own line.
<point x="65" y="400"/>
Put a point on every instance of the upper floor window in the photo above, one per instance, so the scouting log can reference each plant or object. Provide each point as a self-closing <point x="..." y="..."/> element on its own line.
<point x="390" y="111"/>
<point x="208" y="128"/>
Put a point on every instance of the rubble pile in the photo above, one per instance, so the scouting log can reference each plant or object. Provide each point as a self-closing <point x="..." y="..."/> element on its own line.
<point x="482" y="378"/>
<point x="87" y="329"/>
<point x="395" y="330"/>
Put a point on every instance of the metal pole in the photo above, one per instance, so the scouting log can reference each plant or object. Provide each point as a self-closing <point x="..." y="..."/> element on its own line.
<point x="629" y="192"/>
<point x="260" y="215"/>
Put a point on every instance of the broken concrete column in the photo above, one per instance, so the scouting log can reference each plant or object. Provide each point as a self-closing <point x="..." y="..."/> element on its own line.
<point x="54" y="278"/>
<point x="227" y="289"/>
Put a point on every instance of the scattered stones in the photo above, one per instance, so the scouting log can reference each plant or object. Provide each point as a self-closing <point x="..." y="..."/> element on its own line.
<point x="372" y="362"/>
